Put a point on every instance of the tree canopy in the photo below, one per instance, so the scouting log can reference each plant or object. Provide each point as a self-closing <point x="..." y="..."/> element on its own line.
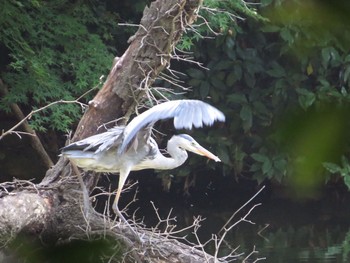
<point x="282" y="78"/>
<point x="54" y="50"/>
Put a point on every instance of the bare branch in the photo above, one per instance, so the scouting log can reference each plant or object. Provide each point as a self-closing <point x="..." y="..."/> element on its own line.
<point x="30" y="115"/>
<point x="244" y="205"/>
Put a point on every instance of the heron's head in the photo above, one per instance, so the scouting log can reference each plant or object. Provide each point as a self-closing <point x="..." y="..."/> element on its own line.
<point x="186" y="142"/>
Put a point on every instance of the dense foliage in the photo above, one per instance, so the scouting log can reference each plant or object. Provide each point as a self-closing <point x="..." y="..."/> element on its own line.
<point x="284" y="86"/>
<point x="55" y="50"/>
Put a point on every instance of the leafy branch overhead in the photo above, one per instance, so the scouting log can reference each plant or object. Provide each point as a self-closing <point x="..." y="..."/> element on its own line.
<point x="55" y="51"/>
<point x="267" y="73"/>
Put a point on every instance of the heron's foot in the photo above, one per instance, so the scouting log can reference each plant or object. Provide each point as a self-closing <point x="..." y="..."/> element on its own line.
<point x="137" y="236"/>
<point x="87" y="208"/>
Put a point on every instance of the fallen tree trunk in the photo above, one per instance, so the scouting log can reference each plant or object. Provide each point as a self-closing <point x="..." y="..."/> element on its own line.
<point x="53" y="210"/>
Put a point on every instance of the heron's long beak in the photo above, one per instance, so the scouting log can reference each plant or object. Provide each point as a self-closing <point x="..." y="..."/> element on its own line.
<point x="204" y="152"/>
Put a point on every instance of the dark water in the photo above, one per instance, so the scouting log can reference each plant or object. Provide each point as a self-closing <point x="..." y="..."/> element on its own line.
<point x="290" y="242"/>
<point x="278" y="233"/>
<point x="279" y="230"/>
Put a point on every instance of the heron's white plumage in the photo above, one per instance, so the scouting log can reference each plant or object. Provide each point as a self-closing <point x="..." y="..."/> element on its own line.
<point x="124" y="149"/>
<point x="186" y="114"/>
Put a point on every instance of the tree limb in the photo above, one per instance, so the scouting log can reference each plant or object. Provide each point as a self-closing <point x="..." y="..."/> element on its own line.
<point x="34" y="140"/>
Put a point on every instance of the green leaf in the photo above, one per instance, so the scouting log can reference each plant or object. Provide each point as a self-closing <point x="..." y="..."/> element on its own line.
<point x="194" y="82"/>
<point x="186" y="43"/>
<point x="259" y="157"/>
<point x="231" y="79"/>
<point x="267" y="168"/>
<point x="223" y="153"/>
<point x="238" y="98"/>
<point x="335" y="57"/>
<point x="276" y="71"/>
<point x="347" y="182"/>
<point x="346" y="74"/>
<point x="280" y="164"/>
<point x="260" y="108"/>
<point x="326" y="56"/>
<point x="217" y="82"/>
<point x="286" y="35"/>
<point x="204" y="89"/>
<point x="246" y="113"/>
<point x="237" y="71"/>
<point x="230" y="42"/>
<point x="332" y="167"/>
<point x="249" y="80"/>
<point x="247" y="117"/>
<point x="224" y="64"/>
<point x="306" y="98"/>
<point x="196" y="73"/>
<point x="347" y="59"/>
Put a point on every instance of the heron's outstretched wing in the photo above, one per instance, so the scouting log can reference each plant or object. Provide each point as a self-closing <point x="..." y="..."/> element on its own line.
<point x="98" y="142"/>
<point x="186" y="114"/>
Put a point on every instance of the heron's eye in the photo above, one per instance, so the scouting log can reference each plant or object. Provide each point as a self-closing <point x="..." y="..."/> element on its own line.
<point x="193" y="143"/>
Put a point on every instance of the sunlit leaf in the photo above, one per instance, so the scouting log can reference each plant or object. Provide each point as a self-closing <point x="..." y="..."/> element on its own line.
<point x="331" y="167"/>
<point x="309" y="69"/>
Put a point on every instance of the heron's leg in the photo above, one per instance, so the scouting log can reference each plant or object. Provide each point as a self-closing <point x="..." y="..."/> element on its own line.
<point x="86" y="200"/>
<point x="123" y="175"/>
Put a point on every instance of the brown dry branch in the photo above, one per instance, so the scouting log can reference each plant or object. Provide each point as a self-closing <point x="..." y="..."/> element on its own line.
<point x="34" y="140"/>
<point x="23" y="120"/>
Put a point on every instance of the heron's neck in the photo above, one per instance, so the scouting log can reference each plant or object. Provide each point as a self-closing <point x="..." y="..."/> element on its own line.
<point x="177" y="156"/>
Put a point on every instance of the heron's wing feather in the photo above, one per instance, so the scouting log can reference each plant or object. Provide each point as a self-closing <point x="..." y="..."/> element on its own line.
<point x="98" y="142"/>
<point x="186" y="114"/>
<point x="141" y="138"/>
<point x="114" y="139"/>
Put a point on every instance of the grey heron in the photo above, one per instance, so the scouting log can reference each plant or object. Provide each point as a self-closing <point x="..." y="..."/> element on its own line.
<point x="122" y="149"/>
